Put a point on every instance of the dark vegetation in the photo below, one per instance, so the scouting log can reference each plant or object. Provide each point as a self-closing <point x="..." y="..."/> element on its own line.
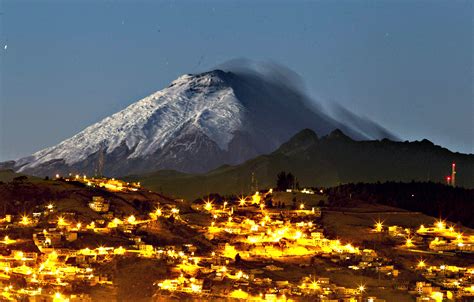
<point x="433" y="199"/>
<point x="321" y="162"/>
<point x="286" y="181"/>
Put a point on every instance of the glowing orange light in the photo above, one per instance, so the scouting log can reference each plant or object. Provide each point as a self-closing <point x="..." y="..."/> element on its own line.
<point x="378" y="226"/>
<point x="208" y="206"/>
<point x="25" y="220"/>
<point x="440" y="225"/>
<point x="131" y="219"/>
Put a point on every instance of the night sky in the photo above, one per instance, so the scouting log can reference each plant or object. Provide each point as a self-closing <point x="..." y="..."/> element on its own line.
<point x="407" y="65"/>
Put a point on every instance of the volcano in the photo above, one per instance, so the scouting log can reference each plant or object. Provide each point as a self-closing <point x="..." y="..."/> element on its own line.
<point x="197" y="123"/>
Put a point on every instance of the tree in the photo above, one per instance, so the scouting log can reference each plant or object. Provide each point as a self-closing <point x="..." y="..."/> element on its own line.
<point x="285" y="181"/>
<point x="282" y="183"/>
<point x="20" y="178"/>
<point x="238" y="259"/>
<point x="291" y="180"/>
<point x="293" y="206"/>
<point x="269" y="201"/>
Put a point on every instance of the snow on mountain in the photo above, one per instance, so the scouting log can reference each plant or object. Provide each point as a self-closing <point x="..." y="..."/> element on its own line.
<point x="195" y="124"/>
<point x="149" y="124"/>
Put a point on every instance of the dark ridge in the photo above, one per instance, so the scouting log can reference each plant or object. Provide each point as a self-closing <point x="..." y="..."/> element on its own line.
<point x="326" y="162"/>
<point x="302" y="140"/>
<point x="337" y="134"/>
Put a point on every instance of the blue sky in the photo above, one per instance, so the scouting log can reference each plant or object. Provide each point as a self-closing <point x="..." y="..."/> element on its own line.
<point x="407" y="65"/>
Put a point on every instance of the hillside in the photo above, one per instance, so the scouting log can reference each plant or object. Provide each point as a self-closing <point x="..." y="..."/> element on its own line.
<point x="436" y="200"/>
<point x="327" y="161"/>
<point x="8" y="175"/>
<point x="21" y="194"/>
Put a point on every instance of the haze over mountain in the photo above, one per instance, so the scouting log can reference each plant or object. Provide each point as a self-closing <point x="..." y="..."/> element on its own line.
<point x="327" y="161"/>
<point x="197" y="123"/>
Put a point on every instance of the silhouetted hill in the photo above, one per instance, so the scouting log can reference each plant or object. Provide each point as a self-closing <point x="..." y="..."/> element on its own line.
<point x="437" y="200"/>
<point x="20" y="194"/>
<point x="328" y="161"/>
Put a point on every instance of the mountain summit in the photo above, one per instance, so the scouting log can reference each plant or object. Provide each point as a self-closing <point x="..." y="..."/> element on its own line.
<point x="195" y="124"/>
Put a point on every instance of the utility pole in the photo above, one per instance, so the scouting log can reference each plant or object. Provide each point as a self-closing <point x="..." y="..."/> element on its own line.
<point x="252" y="179"/>
<point x="453" y="174"/>
<point x="253" y="183"/>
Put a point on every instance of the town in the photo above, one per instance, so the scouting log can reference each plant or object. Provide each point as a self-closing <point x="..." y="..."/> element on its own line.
<point x="252" y="248"/>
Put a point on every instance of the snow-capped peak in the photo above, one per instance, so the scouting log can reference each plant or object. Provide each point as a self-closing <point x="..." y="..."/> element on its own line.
<point x="203" y="101"/>
<point x="197" y="123"/>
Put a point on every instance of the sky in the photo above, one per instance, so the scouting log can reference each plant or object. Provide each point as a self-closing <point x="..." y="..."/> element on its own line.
<point x="407" y="65"/>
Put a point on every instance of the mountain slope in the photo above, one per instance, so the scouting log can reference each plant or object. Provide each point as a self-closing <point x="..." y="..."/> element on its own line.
<point x="326" y="161"/>
<point x="195" y="124"/>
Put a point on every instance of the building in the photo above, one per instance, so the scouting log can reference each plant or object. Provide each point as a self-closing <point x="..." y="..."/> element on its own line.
<point x="99" y="204"/>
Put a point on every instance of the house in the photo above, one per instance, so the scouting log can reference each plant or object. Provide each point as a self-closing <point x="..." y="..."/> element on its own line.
<point x="99" y="204"/>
